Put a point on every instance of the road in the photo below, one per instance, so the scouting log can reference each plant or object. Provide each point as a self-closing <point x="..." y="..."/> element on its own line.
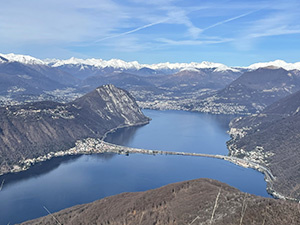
<point x="109" y="147"/>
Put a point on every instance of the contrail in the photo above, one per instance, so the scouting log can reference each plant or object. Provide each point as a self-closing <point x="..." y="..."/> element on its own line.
<point x="132" y="31"/>
<point x="231" y="19"/>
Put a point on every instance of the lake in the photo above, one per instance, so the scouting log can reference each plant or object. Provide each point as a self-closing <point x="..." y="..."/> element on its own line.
<point x="66" y="181"/>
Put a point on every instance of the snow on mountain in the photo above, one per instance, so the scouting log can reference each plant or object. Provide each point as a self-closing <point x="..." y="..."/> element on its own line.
<point x="189" y="69"/>
<point x="26" y="59"/>
<point x="134" y="65"/>
<point x="276" y="63"/>
<point x="117" y="63"/>
<point x="120" y="64"/>
<point x="100" y="63"/>
<point x="180" y="66"/>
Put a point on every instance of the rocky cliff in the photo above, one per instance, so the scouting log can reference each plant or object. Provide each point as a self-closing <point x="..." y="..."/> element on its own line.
<point x="35" y="129"/>
<point x="202" y="201"/>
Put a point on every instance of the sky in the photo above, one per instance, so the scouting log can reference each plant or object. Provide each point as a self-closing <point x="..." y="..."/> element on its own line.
<point x="233" y="32"/>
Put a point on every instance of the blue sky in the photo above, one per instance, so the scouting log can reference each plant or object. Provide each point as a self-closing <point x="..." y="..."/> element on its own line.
<point x="236" y="33"/>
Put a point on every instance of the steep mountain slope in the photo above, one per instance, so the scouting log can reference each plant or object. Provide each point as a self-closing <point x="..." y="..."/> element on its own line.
<point x="35" y="129"/>
<point x="254" y="90"/>
<point x="189" y="202"/>
<point x="272" y="138"/>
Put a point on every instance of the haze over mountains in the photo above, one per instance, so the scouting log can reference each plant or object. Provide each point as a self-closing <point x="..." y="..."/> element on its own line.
<point x="205" y="87"/>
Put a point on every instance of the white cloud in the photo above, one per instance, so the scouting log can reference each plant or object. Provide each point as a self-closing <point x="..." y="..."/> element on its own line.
<point x="280" y="19"/>
<point x="57" y="21"/>
<point x="138" y="25"/>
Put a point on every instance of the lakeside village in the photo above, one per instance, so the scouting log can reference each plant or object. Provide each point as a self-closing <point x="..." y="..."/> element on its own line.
<point x="86" y="146"/>
<point x="93" y="146"/>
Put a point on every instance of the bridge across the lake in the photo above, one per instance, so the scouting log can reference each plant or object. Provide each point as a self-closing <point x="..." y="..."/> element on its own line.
<point x="109" y="147"/>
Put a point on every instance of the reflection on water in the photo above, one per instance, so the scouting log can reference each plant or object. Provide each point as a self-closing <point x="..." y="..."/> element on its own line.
<point x="177" y="131"/>
<point x="37" y="170"/>
<point x="126" y="136"/>
<point x="220" y="120"/>
<point x="122" y="136"/>
<point x="42" y="168"/>
<point x="67" y="181"/>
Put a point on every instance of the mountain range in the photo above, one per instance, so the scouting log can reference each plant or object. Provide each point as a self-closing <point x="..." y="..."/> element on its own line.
<point x="120" y="64"/>
<point x="205" y="87"/>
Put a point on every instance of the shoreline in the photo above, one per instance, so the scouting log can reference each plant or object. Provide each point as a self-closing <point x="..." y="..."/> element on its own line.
<point x="27" y="163"/>
<point x="95" y="146"/>
<point x="268" y="177"/>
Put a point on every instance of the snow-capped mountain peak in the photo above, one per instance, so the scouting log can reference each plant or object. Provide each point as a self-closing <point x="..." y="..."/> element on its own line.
<point x="26" y="59"/>
<point x="189" y="69"/>
<point x="134" y="65"/>
<point x="99" y="63"/>
<point x="276" y="64"/>
<point x="120" y="64"/>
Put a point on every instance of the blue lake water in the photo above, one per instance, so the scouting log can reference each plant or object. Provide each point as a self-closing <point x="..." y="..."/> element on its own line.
<point x="67" y="181"/>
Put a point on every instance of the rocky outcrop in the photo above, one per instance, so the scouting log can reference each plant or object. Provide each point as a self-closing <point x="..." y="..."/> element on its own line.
<point x="201" y="201"/>
<point x="35" y="129"/>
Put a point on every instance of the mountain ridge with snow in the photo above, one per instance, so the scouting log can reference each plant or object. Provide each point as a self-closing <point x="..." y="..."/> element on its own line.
<point x="277" y="64"/>
<point x="26" y="59"/>
<point x="120" y="64"/>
